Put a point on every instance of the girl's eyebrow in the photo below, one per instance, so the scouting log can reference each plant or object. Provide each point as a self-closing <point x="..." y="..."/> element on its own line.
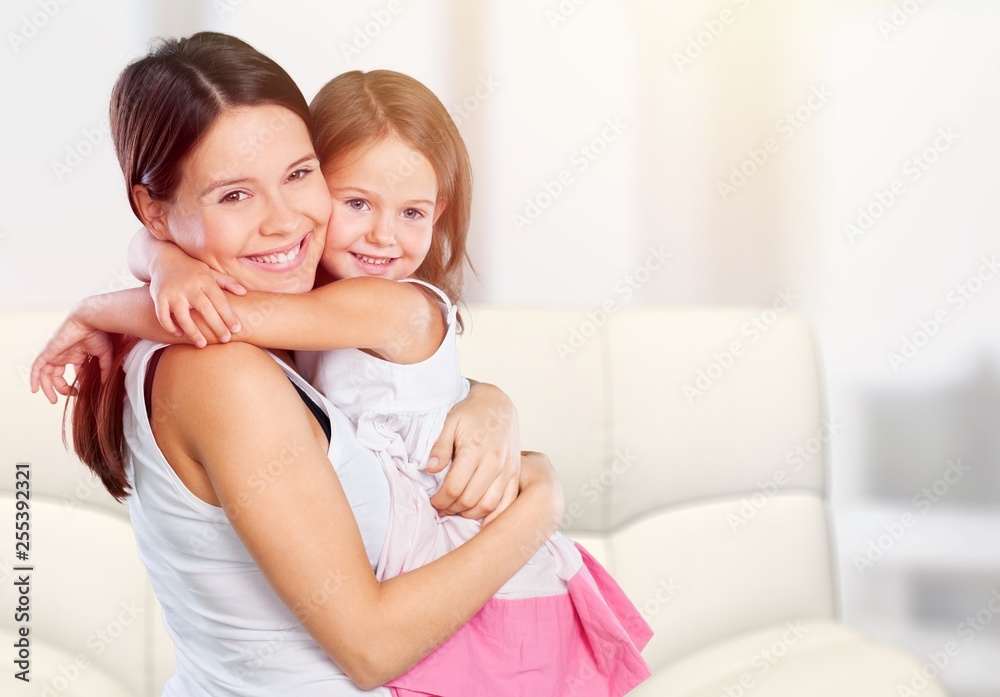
<point x="355" y="189"/>
<point x="243" y="180"/>
<point x="371" y="194"/>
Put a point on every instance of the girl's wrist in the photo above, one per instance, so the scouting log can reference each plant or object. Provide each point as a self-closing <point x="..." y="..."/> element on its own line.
<point x="85" y="311"/>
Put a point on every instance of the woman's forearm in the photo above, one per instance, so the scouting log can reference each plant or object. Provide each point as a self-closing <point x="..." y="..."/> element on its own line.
<point x="462" y="581"/>
<point x="301" y="529"/>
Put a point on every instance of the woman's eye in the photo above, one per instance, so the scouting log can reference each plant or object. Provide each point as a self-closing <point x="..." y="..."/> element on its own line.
<point x="299" y="174"/>
<point x="233" y="197"/>
<point x="413" y="214"/>
<point x="357" y="204"/>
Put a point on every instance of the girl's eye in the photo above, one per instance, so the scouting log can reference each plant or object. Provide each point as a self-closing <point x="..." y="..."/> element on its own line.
<point x="299" y="174"/>
<point x="413" y="214"/>
<point x="234" y="197"/>
<point x="357" y="204"/>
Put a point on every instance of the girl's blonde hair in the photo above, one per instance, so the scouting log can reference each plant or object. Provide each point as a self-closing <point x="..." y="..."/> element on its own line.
<point x="357" y="110"/>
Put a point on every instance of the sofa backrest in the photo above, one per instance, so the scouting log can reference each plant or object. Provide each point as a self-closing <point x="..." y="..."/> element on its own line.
<point x="690" y="444"/>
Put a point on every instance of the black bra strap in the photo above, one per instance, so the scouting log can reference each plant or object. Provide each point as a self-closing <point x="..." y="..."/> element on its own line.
<point x="320" y="415"/>
<point x="147" y="387"/>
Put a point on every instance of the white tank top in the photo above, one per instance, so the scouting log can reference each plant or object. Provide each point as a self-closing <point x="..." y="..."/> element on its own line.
<point x="232" y="634"/>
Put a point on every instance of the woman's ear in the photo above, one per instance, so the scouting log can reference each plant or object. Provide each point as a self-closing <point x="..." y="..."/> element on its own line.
<point x="152" y="212"/>
<point x="439" y="209"/>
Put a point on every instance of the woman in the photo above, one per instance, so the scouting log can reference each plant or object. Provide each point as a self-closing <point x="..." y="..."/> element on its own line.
<point x="260" y="552"/>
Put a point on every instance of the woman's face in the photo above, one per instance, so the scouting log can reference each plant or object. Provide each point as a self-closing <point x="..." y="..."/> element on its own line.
<point x="252" y="201"/>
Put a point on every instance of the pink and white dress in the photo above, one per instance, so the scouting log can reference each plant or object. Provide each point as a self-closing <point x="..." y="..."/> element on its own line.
<point x="560" y="627"/>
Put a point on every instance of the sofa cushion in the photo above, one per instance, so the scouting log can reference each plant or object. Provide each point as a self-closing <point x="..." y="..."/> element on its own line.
<point x="700" y="580"/>
<point x="90" y="599"/>
<point x="56" y="672"/>
<point x="814" y="657"/>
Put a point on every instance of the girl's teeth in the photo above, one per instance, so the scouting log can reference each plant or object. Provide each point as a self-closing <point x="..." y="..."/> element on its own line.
<point x="369" y="260"/>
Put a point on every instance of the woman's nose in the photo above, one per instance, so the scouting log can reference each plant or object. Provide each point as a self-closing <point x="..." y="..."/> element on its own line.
<point x="281" y="218"/>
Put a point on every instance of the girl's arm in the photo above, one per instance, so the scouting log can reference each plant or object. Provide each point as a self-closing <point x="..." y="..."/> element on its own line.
<point x="480" y="437"/>
<point x="179" y="284"/>
<point x="399" y="321"/>
<point x="300" y="528"/>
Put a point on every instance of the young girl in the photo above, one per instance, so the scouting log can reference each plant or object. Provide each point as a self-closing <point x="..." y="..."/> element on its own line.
<point x="378" y="338"/>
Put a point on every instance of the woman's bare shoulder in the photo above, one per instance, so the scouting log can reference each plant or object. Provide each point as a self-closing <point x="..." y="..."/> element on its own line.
<point x="203" y="379"/>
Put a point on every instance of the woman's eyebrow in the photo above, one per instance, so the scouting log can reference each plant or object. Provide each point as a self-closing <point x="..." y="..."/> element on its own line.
<point x="243" y="180"/>
<point x="302" y="160"/>
<point x="219" y="184"/>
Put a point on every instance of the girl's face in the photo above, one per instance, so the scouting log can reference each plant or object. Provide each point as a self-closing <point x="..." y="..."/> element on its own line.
<point x="385" y="205"/>
<point x="252" y="202"/>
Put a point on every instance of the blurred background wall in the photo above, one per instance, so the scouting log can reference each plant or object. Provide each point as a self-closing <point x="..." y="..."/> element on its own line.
<point x="838" y="156"/>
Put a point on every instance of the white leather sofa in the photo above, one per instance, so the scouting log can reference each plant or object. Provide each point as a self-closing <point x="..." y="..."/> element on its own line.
<point x="688" y="442"/>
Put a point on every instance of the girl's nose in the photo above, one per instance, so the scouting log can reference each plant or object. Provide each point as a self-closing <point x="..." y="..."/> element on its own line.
<point x="382" y="233"/>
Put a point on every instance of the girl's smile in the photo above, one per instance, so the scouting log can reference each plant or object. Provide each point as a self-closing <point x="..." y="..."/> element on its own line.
<point x="384" y="209"/>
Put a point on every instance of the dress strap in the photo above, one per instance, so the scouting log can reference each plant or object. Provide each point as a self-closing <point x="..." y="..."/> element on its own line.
<point x="440" y="293"/>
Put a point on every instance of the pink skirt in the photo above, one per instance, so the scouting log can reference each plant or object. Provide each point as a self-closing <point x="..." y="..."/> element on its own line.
<point x="586" y="643"/>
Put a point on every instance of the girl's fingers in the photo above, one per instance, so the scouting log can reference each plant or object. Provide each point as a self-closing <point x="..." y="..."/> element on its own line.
<point x="229" y="283"/>
<point x="47" y="389"/>
<point x="35" y="372"/>
<point x="166" y="319"/>
<point x="62" y="387"/>
<point x="210" y="314"/>
<point x="224" y="309"/>
<point x="189" y="328"/>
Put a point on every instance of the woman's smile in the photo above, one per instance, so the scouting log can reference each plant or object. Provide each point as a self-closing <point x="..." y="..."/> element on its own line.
<point x="281" y="259"/>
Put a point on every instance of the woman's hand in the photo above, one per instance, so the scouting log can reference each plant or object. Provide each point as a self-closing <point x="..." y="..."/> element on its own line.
<point x="481" y="440"/>
<point x="74" y="342"/>
<point x="537" y="473"/>
<point x="180" y="284"/>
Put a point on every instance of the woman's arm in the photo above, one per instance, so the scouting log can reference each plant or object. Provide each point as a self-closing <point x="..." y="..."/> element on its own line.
<point x="300" y="528"/>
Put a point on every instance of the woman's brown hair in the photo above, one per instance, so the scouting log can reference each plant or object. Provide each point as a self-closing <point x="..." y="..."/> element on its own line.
<point x="357" y="110"/>
<point x="161" y="107"/>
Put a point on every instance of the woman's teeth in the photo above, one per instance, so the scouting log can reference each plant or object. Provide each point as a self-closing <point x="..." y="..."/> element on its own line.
<point x="373" y="260"/>
<point x="280" y="257"/>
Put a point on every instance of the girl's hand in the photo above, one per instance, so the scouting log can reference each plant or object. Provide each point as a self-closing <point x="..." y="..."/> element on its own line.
<point x="180" y="284"/>
<point x="481" y="439"/>
<point x="73" y="343"/>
